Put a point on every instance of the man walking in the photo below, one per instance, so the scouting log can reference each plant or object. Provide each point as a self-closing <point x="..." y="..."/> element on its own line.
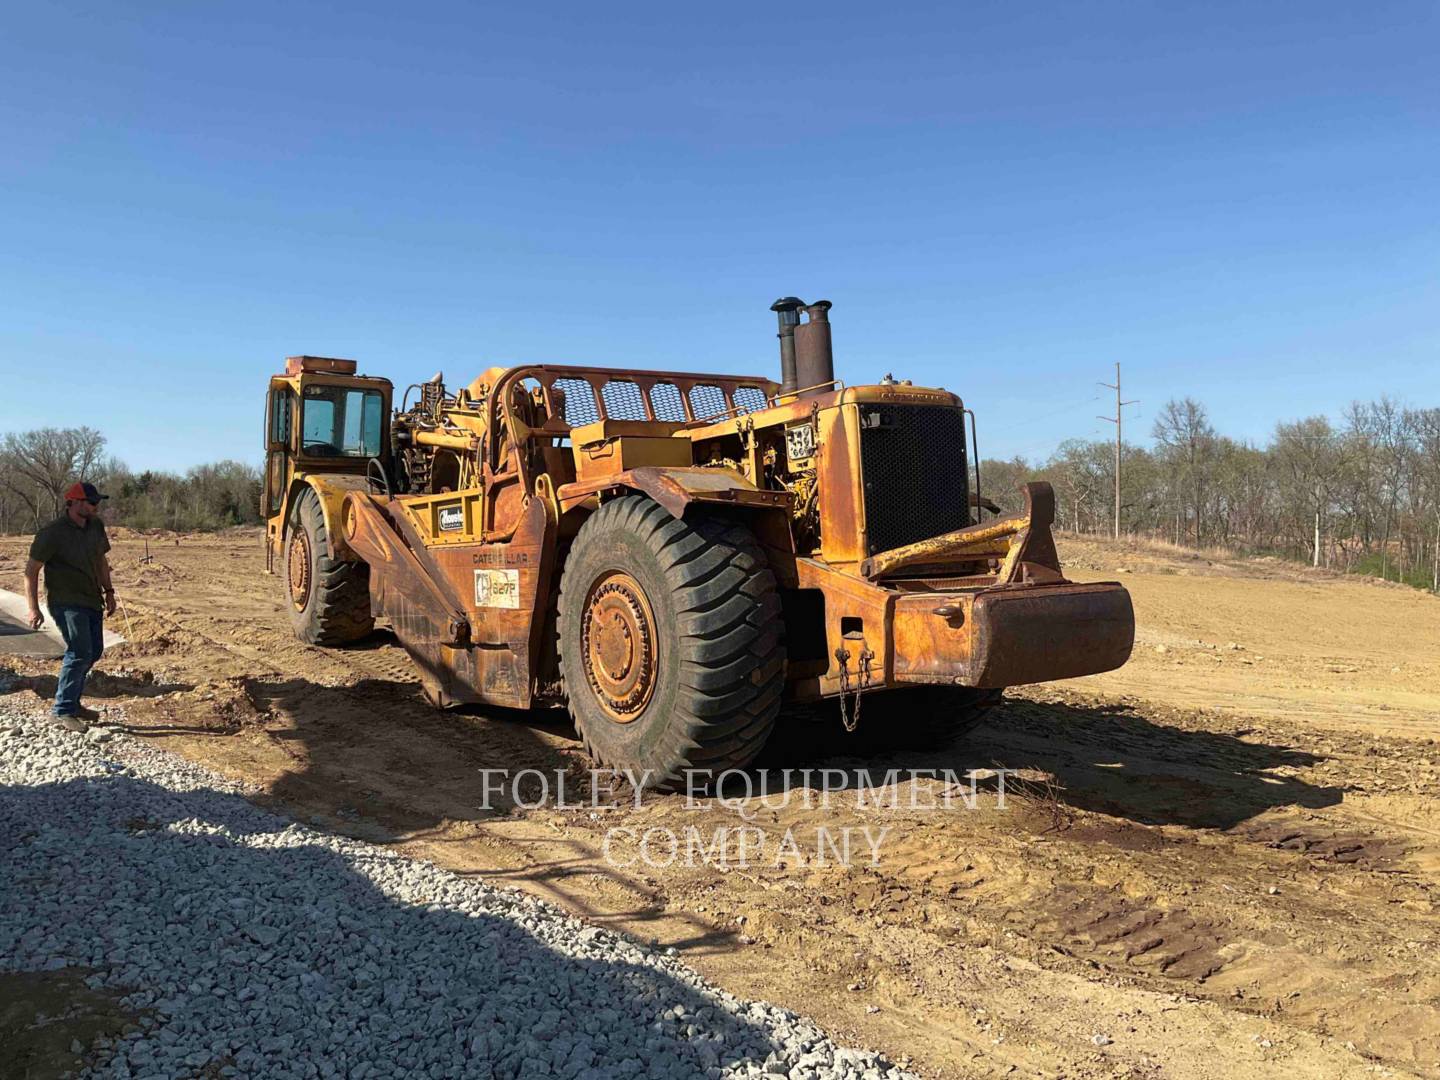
<point x="77" y="588"/>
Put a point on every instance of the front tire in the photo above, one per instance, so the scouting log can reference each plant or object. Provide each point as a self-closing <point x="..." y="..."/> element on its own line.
<point x="670" y="641"/>
<point x="329" y="598"/>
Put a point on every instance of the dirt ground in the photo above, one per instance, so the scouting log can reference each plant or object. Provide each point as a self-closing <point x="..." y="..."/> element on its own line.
<point x="1225" y="859"/>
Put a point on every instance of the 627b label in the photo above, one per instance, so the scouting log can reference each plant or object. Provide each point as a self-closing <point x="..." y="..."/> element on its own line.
<point x="497" y="588"/>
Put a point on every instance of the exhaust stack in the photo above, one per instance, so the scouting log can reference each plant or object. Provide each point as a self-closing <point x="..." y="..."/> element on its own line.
<point x="814" y="358"/>
<point x="787" y="311"/>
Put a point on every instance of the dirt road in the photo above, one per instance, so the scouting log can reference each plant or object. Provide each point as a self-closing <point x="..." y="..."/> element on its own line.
<point x="1224" y="860"/>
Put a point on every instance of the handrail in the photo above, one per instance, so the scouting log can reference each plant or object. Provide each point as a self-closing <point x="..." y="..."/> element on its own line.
<point x="975" y="457"/>
<point x="838" y="384"/>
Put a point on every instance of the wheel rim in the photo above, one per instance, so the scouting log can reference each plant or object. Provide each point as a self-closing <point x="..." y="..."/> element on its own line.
<point x="618" y="645"/>
<point x="299" y="562"/>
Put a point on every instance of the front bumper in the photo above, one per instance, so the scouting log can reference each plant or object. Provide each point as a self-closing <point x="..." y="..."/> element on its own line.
<point x="1013" y="635"/>
<point x="994" y="637"/>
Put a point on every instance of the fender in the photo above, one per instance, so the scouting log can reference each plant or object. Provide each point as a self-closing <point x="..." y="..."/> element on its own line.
<point x="330" y="489"/>
<point x="676" y="488"/>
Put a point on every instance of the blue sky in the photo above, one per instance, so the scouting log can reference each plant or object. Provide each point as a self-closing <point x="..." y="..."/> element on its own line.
<point x="1238" y="202"/>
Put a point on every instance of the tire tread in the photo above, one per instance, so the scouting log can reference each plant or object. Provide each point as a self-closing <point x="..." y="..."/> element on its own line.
<point x="727" y="609"/>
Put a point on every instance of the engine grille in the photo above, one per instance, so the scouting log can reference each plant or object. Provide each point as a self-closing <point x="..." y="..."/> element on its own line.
<point x="914" y="466"/>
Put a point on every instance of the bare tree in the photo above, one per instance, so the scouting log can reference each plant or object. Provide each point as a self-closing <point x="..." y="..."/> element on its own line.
<point x="1362" y="494"/>
<point x="1187" y="445"/>
<point x="39" y="465"/>
<point x="1309" y="456"/>
<point x="1387" y="431"/>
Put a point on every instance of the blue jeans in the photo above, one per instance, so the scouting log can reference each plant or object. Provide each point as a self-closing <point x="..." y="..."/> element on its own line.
<point x="83" y="629"/>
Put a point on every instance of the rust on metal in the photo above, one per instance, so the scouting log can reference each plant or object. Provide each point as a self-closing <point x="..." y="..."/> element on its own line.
<point x="1044" y="632"/>
<point x="814" y="356"/>
<point x="1023" y="540"/>
<point x="300" y="569"/>
<point x="466" y="516"/>
<point x="330" y="365"/>
<point x="677" y="488"/>
<point x="993" y="538"/>
<point x="620" y="645"/>
<point x="787" y="312"/>
<point x="1032" y="558"/>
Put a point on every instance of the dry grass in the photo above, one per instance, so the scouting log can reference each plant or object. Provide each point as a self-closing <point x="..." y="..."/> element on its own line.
<point x="1161" y="549"/>
<point x="1044" y="791"/>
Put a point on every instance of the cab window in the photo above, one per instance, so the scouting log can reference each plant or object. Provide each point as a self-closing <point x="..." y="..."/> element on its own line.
<point x="339" y="421"/>
<point x="279" y="416"/>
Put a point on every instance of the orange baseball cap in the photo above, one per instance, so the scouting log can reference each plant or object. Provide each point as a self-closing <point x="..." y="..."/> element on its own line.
<point x="83" y="493"/>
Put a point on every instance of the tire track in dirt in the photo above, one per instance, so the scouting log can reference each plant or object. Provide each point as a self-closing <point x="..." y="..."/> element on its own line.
<point x="1274" y="914"/>
<point x="1138" y="904"/>
<point x="348" y="721"/>
<point x="1059" y="920"/>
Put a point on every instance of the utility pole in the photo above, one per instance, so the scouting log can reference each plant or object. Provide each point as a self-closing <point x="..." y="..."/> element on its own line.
<point x="1119" y="405"/>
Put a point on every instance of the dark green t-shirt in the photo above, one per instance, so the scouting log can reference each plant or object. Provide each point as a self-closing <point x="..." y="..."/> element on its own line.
<point x="72" y="561"/>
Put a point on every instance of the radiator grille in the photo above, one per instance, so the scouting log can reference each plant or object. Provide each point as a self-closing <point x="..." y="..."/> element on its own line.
<point x="914" y="466"/>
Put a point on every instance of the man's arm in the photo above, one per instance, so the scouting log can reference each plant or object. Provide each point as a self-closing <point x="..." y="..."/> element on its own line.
<point x="32" y="592"/>
<point x="106" y="585"/>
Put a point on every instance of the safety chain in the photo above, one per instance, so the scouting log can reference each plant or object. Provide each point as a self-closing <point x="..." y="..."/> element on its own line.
<point x="851" y="719"/>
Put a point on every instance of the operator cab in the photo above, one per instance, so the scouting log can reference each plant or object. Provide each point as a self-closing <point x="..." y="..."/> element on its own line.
<point x="341" y="414"/>
<point x="341" y="421"/>
<point x="321" y="418"/>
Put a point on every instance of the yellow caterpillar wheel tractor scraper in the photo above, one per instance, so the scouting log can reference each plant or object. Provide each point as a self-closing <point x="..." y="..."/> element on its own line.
<point x="674" y="556"/>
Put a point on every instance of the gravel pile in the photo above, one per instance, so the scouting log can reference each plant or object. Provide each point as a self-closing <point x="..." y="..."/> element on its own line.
<point x="250" y="945"/>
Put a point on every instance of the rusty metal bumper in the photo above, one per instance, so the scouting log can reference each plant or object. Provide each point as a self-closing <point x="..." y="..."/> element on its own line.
<point x="1013" y="635"/>
<point x="1004" y="635"/>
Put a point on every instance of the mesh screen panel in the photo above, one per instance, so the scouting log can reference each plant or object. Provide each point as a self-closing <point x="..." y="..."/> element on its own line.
<point x="749" y="398"/>
<point x="707" y="400"/>
<point x="915" y="471"/>
<point x="623" y="400"/>
<point x="580" y="406"/>
<point x="667" y="402"/>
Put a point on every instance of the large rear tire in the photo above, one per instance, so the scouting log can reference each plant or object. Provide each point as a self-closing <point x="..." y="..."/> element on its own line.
<point x="329" y="598"/>
<point x="671" y="643"/>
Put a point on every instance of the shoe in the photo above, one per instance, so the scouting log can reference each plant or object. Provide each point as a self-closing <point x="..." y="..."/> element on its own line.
<point x="72" y="723"/>
<point x="90" y="716"/>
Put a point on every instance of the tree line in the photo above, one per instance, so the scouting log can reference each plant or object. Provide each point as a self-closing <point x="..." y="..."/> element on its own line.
<point x="37" y="466"/>
<point x="1361" y="495"/>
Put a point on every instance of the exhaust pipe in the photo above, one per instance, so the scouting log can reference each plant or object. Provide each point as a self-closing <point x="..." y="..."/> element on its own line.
<point x="814" y="358"/>
<point x="787" y="310"/>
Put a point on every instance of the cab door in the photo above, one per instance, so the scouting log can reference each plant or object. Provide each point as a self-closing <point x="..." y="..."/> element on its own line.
<point x="279" y="422"/>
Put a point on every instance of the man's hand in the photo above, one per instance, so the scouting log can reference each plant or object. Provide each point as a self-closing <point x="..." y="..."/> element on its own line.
<point x="32" y="592"/>
<point x="110" y="602"/>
